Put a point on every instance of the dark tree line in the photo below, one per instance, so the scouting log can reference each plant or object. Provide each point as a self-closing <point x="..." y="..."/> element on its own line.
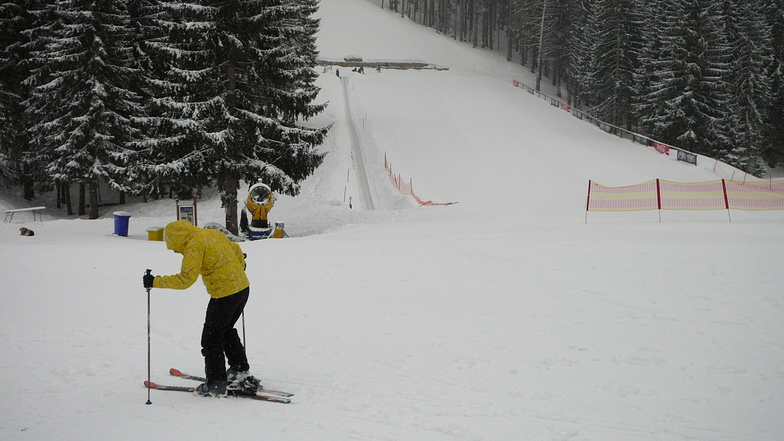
<point x="156" y="95"/>
<point x="703" y="75"/>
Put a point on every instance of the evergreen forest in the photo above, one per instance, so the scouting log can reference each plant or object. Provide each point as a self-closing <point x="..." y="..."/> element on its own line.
<point x="706" y="76"/>
<point x="157" y="96"/>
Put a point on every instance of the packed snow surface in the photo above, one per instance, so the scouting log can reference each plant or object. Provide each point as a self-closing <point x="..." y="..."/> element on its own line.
<point x="502" y="317"/>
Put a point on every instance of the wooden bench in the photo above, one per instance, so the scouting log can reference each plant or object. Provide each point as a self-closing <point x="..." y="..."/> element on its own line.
<point x="9" y="214"/>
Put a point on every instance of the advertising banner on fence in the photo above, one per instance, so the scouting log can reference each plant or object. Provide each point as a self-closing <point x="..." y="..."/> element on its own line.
<point x="661" y="147"/>
<point x="684" y="156"/>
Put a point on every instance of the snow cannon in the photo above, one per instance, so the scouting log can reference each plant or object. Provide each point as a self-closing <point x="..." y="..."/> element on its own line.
<point x="257" y="206"/>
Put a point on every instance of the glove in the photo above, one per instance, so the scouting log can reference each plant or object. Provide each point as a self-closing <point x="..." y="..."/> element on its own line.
<point x="148" y="280"/>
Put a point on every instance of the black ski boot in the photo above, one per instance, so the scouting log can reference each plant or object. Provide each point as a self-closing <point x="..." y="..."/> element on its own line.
<point x="212" y="389"/>
<point x="243" y="381"/>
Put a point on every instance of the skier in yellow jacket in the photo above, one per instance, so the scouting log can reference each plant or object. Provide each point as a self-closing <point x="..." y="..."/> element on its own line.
<point x="221" y="265"/>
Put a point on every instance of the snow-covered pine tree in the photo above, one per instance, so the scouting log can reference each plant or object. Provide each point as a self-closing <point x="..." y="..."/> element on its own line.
<point x="526" y="16"/>
<point x="15" y="18"/>
<point x="80" y="105"/>
<point x="645" y="102"/>
<point x="613" y="50"/>
<point x="688" y="94"/>
<point x="239" y="76"/>
<point x="12" y="21"/>
<point x="150" y="157"/>
<point x="773" y="145"/>
<point x="559" y="42"/>
<point x="293" y="89"/>
<point x="750" y="42"/>
<point x="579" y="55"/>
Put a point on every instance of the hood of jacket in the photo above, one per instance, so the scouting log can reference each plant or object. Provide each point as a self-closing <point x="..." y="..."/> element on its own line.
<point x="177" y="235"/>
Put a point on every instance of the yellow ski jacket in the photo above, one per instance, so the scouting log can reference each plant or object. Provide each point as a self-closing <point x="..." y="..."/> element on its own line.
<point x="208" y="253"/>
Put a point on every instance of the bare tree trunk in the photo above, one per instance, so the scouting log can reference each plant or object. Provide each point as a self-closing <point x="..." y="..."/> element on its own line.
<point x="541" y="51"/>
<point x="231" y="182"/>
<point x="457" y="15"/>
<point x="82" y="190"/>
<point x="68" y="204"/>
<point x="94" y="199"/>
<point x="230" y="187"/>
<point x="474" y="22"/>
<point x="510" y="35"/>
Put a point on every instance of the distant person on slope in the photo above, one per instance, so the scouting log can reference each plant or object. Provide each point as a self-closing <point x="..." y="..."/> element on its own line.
<point x="221" y="264"/>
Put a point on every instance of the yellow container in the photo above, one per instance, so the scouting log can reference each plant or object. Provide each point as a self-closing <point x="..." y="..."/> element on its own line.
<point x="155" y="233"/>
<point x="278" y="232"/>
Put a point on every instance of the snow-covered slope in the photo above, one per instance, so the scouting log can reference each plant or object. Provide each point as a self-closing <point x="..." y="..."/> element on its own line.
<point x="502" y="317"/>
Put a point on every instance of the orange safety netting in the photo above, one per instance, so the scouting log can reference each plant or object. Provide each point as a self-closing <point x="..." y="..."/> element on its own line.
<point x="756" y="195"/>
<point x="630" y="198"/>
<point x="692" y="196"/>
<point x="407" y="188"/>
<point x="668" y="195"/>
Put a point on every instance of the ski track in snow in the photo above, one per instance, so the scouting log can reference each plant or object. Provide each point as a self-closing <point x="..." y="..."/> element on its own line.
<point x="356" y="152"/>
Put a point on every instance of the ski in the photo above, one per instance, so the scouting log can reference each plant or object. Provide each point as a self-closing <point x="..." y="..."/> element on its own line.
<point x="179" y="374"/>
<point x="231" y="393"/>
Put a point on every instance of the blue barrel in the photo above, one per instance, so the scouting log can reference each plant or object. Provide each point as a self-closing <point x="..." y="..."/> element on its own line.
<point x="121" y="220"/>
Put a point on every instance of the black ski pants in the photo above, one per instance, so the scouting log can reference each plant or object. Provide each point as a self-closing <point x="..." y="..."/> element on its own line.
<point x="219" y="336"/>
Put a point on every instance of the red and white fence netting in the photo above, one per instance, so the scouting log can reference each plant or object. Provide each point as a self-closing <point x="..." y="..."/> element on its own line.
<point x="659" y="194"/>
<point x="407" y="188"/>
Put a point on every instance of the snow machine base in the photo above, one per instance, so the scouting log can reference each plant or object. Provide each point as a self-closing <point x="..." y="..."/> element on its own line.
<point x="222" y="229"/>
<point x="254" y="233"/>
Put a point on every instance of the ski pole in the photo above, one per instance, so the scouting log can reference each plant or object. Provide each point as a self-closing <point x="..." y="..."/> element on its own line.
<point x="244" y="343"/>
<point x="149" y="271"/>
